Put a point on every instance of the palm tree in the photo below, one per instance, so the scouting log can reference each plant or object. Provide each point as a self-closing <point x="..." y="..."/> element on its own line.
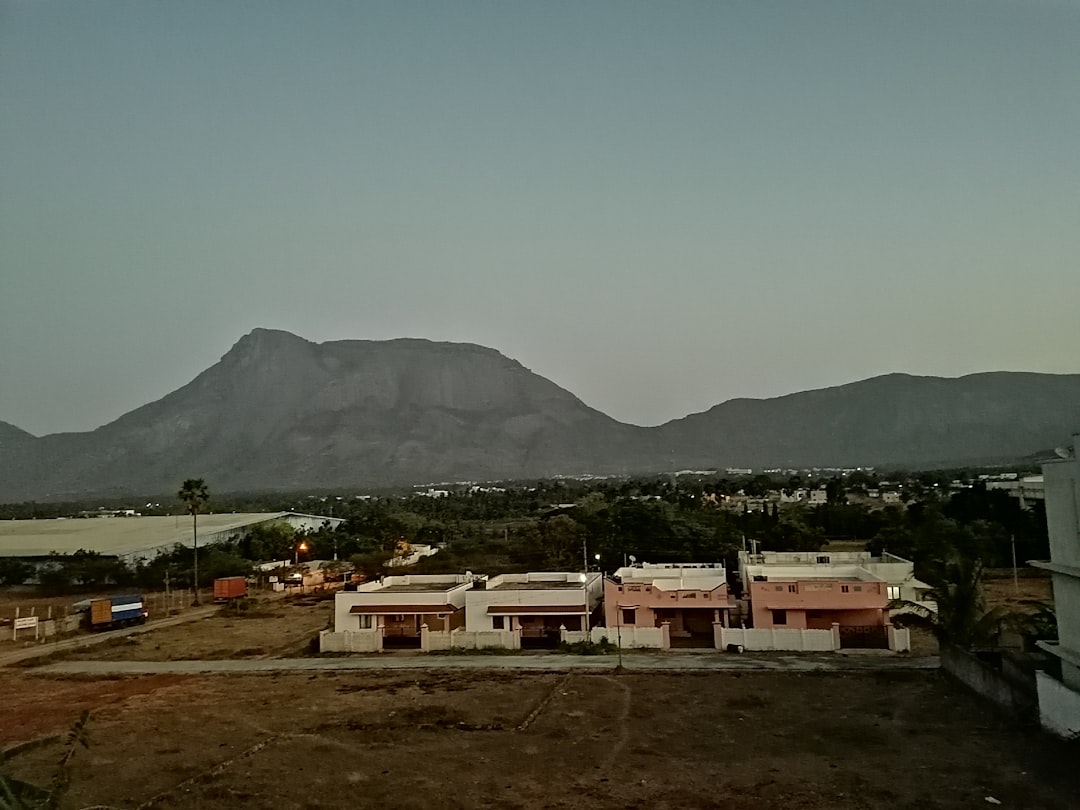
<point x="195" y="494"/>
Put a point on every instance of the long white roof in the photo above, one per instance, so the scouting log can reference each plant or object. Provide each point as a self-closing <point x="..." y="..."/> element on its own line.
<point x="115" y="535"/>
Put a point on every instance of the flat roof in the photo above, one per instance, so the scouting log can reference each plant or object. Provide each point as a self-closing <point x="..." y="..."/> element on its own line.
<point x="114" y="535"/>
<point x="428" y="587"/>
<point x="538" y="586"/>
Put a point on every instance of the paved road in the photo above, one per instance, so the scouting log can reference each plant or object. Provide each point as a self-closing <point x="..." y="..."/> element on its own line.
<point x="636" y="662"/>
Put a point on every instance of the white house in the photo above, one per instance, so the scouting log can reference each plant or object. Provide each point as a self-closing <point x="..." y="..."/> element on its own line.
<point x="1059" y="701"/>
<point x="393" y="612"/>
<point x="536" y="606"/>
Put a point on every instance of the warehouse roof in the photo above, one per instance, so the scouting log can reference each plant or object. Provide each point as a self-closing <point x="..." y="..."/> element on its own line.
<point x="118" y="535"/>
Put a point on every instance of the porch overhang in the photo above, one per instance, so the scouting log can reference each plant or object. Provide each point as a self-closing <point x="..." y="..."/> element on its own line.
<point x="537" y="610"/>
<point x="426" y="610"/>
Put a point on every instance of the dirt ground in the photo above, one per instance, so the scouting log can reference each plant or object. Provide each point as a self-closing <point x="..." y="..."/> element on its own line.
<point x="1032" y="589"/>
<point x="272" y="626"/>
<point x="463" y="740"/>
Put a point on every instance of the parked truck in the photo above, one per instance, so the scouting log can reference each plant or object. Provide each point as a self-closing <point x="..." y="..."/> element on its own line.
<point x="111" y="612"/>
<point x="228" y="588"/>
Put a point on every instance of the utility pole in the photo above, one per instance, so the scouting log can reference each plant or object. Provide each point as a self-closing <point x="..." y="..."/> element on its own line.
<point x="1016" y="579"/>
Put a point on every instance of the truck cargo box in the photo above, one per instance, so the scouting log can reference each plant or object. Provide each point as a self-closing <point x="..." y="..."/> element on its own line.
<point x="115" y="611"/>
<point x="226" y="588"/>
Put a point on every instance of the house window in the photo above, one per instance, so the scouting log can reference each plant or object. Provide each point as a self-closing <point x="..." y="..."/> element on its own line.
<point x="858" y="588"/>
<point x="844" y="588"/>
<point x="365" y="621"/>
<point x="779" y="617"/>
<point x="791" y="588"/>
<point x="689" y="596"/>
<point x="894" y="591"/>
<point x="629" y="616"/>
<point x="779" y="587"/>
<point x="498" y="622"/>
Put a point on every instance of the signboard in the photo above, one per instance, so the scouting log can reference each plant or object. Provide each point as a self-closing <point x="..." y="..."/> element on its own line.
<point x="273" y="579"/>
<point x="24" y="623"/>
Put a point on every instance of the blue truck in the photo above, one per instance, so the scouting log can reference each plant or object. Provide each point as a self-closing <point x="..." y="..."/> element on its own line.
<point x="111" y="612"/>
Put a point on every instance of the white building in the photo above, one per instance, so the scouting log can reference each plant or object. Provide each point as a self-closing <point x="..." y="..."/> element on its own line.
<point x="538" y="606"/>
<point x="394" y="611"/>
<point x="1059" y="701"/>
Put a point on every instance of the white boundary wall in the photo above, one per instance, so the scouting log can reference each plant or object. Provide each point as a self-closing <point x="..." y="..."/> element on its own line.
<point x="350" y="641"/>
<point x="1059" y="706"/>
<point x="773" y="639"/>
<point x="462" y="639"/>
<point x="655" y="638"/>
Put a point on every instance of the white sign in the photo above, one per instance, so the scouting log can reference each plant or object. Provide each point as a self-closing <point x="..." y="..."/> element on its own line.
<point x="273" y="579"/>
<point x="26" y="622"/>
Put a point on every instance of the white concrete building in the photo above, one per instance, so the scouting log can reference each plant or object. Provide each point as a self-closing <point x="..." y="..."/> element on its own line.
<point x="536" y="606"/>
<point x="1059" y="701"/>
<point x="395" y="610"/>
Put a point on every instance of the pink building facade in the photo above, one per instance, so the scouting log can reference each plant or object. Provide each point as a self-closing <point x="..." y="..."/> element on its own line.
<point x="690" y="599"/>
<point x="813" y="598"/>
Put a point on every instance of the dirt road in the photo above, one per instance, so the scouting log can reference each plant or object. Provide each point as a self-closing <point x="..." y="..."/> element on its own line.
<point x="555" y="662"/>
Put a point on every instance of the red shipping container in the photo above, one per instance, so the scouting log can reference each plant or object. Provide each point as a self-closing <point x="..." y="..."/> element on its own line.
<point x="227" y="588"/>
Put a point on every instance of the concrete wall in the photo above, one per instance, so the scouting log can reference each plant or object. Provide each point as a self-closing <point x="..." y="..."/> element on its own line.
<point x="656" y="638"/>
<point x="350" y="642"/>
<point x="1005" y="687"/>
<point x="1062" y="482"/>
<point x="461" y="639"/>
<point x="899" y="638"/>
<point x="777" y="639"/>
<point x="1059" y="707"/>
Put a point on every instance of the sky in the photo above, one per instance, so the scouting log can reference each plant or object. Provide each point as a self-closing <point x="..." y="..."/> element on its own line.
<point x="658" y="206"/>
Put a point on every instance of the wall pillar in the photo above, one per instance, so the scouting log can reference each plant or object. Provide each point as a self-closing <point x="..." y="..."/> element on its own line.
<point x="718" y="635"/>
<point x="425" y="638"/>
<point x="665" y="635"/>
<point x="836" y="636"/>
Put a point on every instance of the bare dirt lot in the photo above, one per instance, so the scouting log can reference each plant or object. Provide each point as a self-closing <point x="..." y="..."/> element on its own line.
<point x="477" y="739"/>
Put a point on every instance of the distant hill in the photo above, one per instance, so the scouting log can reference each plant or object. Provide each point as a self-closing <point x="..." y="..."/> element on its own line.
<point x="278" y="412"/>
<point x="896" y="419"/>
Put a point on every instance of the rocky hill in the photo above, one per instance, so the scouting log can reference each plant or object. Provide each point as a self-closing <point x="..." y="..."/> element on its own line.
<point x="895" y="419"/>
<point x="281" y="413"/>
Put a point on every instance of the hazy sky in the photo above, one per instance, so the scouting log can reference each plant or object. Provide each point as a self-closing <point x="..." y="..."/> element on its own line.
<point x="659" y="206"/>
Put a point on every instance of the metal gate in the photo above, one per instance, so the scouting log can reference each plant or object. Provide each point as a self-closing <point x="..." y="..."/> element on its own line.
<point x="864" y="636"/>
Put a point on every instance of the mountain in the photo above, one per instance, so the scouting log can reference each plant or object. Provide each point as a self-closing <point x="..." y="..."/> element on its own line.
<point x="895" y="419"/>
<point x="278" y="412"/>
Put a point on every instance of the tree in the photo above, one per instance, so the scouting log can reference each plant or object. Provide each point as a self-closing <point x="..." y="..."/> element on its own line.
<point x="14" y="572"/>
<point x="194" y="494"/>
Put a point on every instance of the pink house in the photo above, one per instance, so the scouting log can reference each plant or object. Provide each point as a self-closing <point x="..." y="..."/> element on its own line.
<point x="815" y="597"/>
<point x="689" y="598"/>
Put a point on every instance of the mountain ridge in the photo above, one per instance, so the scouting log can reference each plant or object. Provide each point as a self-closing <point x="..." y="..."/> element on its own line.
<point x="279" y="412"/>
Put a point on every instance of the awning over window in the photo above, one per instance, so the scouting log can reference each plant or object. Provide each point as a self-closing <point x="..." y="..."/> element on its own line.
<point x="537" y="610"/>
<point x="441" y="610"/>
